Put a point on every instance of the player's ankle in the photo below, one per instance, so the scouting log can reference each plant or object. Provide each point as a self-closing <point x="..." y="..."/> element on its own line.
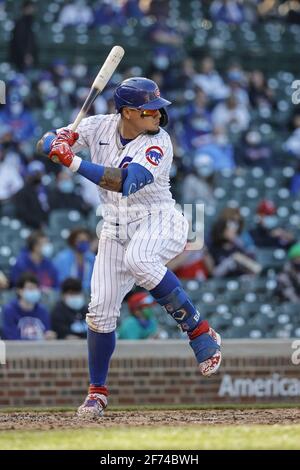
<point x="203" y="327"/>
<point x="98" y="389"/>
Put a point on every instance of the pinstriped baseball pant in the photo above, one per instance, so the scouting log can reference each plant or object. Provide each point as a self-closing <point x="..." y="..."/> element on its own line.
<point x="140" y="259"/>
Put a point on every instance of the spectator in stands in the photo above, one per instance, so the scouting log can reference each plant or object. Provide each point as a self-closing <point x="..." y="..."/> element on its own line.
<point x="141" y="323"/>
<point x="252" y="151"/>
<point x="237" y="84"/>
<point x="292" y="144"/>
<point x="231" y="249"/>
<point x="18" y="118"/>
<point x="64" y="196"/>
<point x="88" y="192"/>
<point x="24" y="317"/>
<point x="167" y="42"/>
<point x="192" y="264"/>
<point x="289" y="279"/>
<point x="231" y="115"/>
<point x="219" y="149"/>
<point x="106" y="13"/>
<point x="76" y="12"/>
<point x="295" y="182"/>
<point x="267" y="231"/>
<point x="68" y="315"/>
<point x="3" y="281"/>
<point x="11" y="180"/>
<point x="210" y="81"/>
<point x="227" y="11"/>
<point x="23" y="44"/>
<point x="268" y="10"/>
<point x="197" y="185"/>
<point x="32" y="206"/>
<point x="36" y="259"/>
<point x="77" y="261"/>
<point x="132" y="9"/>
<point x="260" y="94"/>
<point x="196" y="126"/>
<point x="184" y="74"/>
<point x="116" y="13"/>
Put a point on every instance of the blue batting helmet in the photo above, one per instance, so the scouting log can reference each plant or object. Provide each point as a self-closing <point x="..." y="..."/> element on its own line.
<point x="140" y="93"/>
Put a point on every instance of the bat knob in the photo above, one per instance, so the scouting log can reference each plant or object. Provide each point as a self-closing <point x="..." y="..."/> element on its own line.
<point x="55" y="159"/>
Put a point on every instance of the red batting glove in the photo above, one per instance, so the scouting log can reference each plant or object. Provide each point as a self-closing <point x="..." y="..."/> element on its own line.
<point x="68" y="136"/>
<point x="61" y="153"/>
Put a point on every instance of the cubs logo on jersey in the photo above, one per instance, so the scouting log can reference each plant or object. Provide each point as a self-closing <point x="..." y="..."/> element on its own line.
<point x="154" y="155"/>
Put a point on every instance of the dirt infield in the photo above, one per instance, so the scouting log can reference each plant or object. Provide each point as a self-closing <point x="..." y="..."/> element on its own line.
<point x="68" y="420"/>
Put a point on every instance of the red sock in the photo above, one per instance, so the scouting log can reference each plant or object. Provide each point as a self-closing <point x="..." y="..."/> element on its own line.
<point x="101" y="390"/>
<point x="199" y="330"/>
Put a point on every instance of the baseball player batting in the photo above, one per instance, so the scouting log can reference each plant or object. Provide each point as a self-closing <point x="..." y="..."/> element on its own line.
<point x="131" y="157"/>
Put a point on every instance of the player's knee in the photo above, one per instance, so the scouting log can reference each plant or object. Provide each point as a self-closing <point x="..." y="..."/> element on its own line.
<point x="139" y="268"/>
<point x="101" y="324"/>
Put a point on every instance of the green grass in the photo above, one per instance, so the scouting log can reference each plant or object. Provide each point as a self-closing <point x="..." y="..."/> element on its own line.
<point x="210" y="406"/>
<point x="277" y="436"/>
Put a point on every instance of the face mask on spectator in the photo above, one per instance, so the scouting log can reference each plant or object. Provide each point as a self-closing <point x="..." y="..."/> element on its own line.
<point x="161" y="62"/>
<point x="66" y="186"/>
<point x="75" y="302"/>
<point x="79" y="70"/>
<point x="253" y="138"/>
<point x="270" y="221"/>
<point x="232" y="225"/>
<point x="47" y="250"/>
<point x="16" y="109"/>
<point x="83" y="246"/>
<point x="205" y="171"/>
<point x="148" y="312"/>
<point x="221" y="139"/>
<point x="198" y="124"/>
<point x="31" y="296"/>
<point x="67" y="85"/>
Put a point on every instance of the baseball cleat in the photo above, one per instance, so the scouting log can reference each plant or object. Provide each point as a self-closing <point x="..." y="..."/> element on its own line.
<point x="206" y="347"/>
<point x="211" y="365"/>
<point x="93" y="406"/>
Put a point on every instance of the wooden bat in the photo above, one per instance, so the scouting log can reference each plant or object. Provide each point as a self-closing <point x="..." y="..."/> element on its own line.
<point x="111" y="63"/>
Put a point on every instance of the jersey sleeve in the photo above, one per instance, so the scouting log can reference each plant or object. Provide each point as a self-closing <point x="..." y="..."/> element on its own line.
<point x="156" y="155"/>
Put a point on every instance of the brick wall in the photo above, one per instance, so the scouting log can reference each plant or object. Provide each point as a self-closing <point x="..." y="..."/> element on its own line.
<point x="149" y="372"/>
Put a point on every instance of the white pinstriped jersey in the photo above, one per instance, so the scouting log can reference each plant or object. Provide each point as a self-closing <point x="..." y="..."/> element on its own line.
<point x="155" y="152"/>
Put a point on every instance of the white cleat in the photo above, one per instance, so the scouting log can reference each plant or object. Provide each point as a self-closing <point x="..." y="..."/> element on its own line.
<point x="93" y="406"/>
<point x="211" y="365"/>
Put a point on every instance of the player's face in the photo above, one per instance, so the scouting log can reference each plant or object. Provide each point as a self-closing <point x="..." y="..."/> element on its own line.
<point x="145" y="120"/>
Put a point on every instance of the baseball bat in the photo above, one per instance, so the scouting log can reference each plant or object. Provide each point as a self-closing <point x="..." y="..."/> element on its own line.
<point x="105" y="73"/>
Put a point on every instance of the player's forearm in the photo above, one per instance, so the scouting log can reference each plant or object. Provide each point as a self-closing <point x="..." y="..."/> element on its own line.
<point x="105" y="177"/>
<point x="112" y="179"/>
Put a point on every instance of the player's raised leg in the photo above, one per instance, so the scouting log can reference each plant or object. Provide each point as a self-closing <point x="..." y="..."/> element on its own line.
<point x="150" y="249"/>
<point x="110" y="283"/>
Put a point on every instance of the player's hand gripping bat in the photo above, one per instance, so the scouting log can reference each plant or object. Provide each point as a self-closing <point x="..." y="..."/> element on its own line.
<point x="105" y="73"/>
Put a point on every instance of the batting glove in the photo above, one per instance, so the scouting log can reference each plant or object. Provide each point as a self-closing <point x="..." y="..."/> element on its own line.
<point x="66" y="135"/>
<point x="61" y="153"/>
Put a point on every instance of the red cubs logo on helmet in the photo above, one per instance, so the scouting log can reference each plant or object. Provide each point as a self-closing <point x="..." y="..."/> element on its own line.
<point x="154" y="155"/>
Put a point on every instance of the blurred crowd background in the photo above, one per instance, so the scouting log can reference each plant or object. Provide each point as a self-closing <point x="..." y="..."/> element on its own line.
<point x="228" y="66"/>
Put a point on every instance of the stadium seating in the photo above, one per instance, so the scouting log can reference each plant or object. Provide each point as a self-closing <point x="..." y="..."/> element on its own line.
<point x="243" y="307"/>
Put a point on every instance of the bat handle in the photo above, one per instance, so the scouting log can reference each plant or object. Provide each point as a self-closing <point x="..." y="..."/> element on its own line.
<point x="78" y="120"/>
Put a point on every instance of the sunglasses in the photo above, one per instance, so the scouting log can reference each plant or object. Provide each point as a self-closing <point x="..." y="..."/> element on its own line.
<point x="146" y="112"/>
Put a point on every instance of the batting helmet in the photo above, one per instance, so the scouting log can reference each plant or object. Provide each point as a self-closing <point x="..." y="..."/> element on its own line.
<point x="140" y="93"/>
